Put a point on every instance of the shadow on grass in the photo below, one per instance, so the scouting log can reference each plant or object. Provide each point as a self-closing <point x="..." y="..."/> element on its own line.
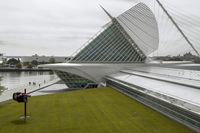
<point x="19" y="122"/>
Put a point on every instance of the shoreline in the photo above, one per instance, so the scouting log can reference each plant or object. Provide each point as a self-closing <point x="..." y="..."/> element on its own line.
<point x="24" y="69"/>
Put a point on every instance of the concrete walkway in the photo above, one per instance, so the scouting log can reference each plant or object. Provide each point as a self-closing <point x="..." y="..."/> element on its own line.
<point x="7" y="95"/>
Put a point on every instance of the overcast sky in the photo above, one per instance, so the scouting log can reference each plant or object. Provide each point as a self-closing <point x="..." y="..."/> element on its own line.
<point x="59" y="27"/>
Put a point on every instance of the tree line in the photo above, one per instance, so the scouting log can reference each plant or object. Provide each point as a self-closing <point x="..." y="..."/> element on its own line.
<point x="16" y="63"/>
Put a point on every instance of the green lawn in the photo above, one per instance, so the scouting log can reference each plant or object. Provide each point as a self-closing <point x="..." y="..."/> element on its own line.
<point x="86" y="111"/>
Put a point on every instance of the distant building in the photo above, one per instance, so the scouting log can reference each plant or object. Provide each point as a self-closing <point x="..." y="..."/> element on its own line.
<point x="43" y="59"/>
<point x="40" y="59"/>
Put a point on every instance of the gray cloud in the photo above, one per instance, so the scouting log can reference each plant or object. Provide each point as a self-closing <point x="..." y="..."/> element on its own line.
<point x="59" y="27"/>
<point x="2" y="43"/>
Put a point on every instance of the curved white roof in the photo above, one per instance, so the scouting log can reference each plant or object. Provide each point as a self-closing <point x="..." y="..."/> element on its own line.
<point x="141" y="25"/>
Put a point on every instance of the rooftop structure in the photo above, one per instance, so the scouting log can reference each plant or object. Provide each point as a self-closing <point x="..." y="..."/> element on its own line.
<point x="125" y="41"/>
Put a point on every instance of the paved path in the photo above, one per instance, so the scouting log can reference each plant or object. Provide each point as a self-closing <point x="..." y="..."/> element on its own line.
<point x="7" y="95"/>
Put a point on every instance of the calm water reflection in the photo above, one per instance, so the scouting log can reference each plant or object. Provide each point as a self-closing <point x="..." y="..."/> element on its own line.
<point x="12" y="80"/>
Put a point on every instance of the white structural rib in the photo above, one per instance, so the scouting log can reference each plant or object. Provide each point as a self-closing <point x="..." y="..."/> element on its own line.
<point x="140" y="24"/>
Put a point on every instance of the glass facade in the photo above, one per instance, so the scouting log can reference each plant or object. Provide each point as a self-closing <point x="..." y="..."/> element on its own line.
<point x="112" y="45"/>
<point x="75" y="81"/>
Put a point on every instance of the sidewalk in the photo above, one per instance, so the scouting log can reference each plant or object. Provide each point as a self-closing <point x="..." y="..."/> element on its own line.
<point x="7" y="95"/>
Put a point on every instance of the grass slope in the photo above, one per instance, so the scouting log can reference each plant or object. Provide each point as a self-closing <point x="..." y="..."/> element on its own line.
<point x="86" y="111"/>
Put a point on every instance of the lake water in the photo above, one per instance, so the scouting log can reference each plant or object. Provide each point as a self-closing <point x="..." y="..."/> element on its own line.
<point x="11" y="80"/>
